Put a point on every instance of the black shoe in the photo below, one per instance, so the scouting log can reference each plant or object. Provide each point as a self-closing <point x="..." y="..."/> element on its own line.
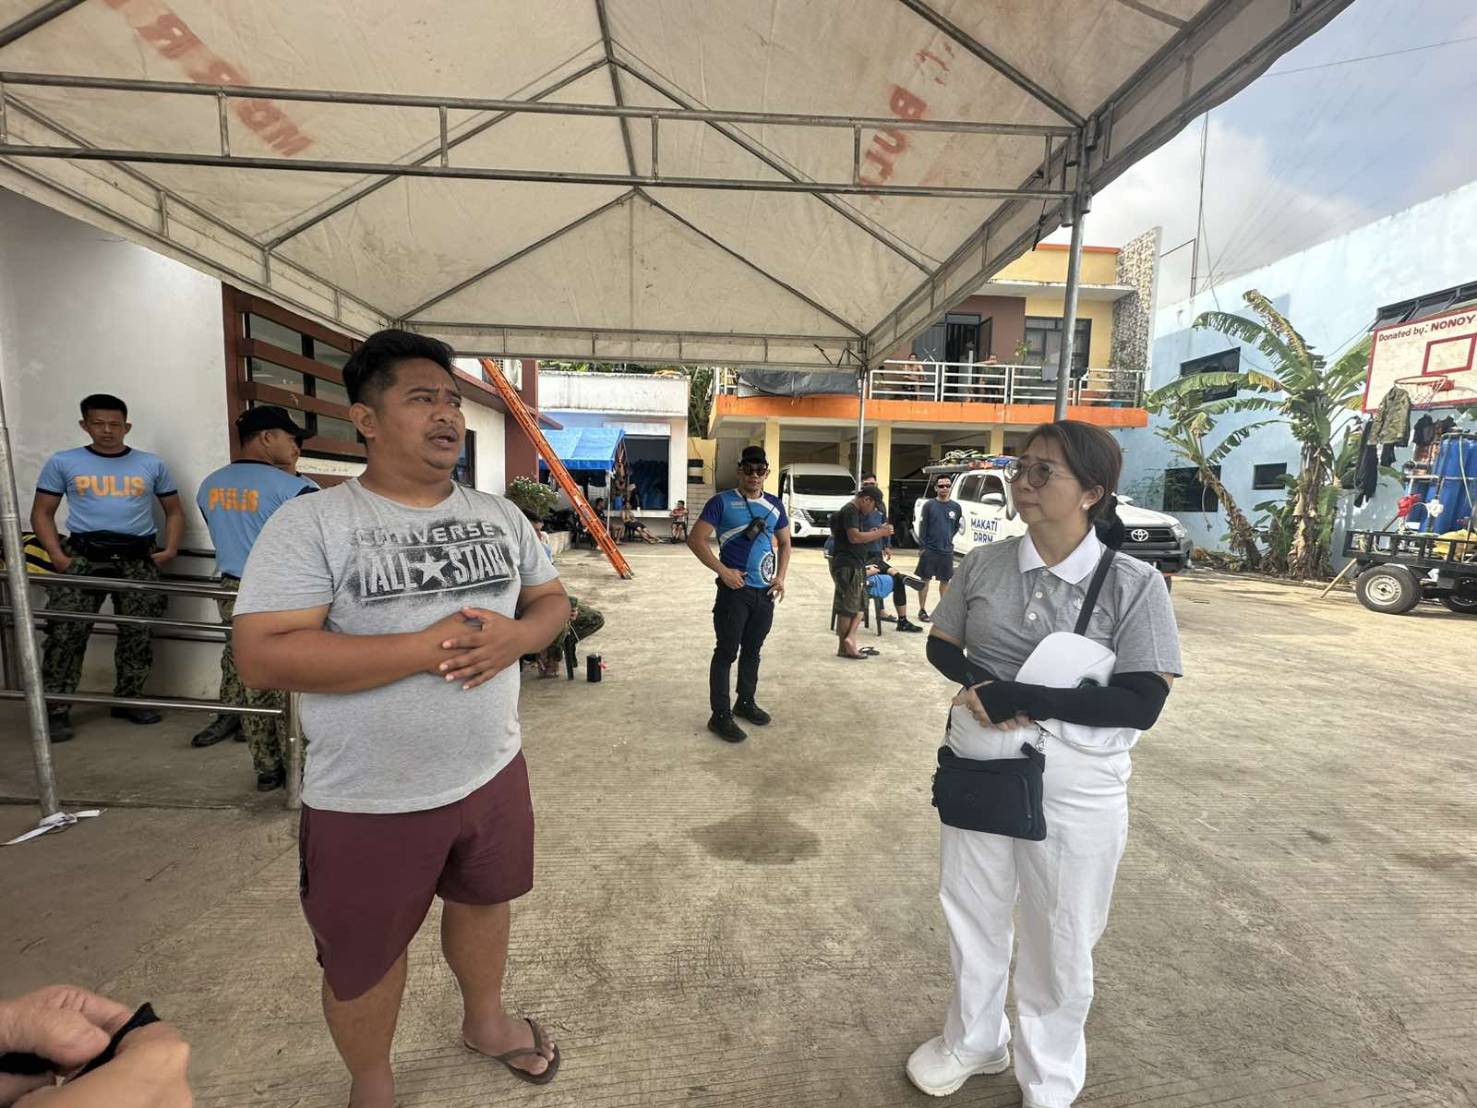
<point x="59" y="724"/>
<point x="907" y="625"/>
<point x="222" y="727"/>
<point x="751" y="712"/>
<point x="923" y="616"/>
<point x="272" y="779"/>
<point x="726" y="729"/>
<point x="141" y="716"/>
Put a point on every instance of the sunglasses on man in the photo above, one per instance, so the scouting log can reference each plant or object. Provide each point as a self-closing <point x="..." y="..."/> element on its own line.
<point x="754" y="469"/>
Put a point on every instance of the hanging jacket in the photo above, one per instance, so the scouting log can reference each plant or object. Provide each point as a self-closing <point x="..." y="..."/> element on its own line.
<point x="1392" y="421"/>
<point x="1367" y="475"/>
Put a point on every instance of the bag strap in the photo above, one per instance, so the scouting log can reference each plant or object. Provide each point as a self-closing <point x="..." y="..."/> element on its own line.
<point x="1089" y="603"/>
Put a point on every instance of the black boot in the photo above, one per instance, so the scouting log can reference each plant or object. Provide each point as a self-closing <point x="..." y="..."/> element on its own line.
<point x="905" y="624"/>
<point x="141" y="716"/>
<point x="751" y="712"/>
<point x="220" y="728"/>
<point x="59" y="724"/>
<point x="272" y="779"/>
<point x="722" y="725"/>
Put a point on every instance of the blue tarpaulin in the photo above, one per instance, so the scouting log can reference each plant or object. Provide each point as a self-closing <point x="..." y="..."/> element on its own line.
<point x="585" y="447"/>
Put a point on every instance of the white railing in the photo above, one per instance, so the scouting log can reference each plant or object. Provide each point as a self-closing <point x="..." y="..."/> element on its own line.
<point x="994" y="383"/>
<point x="984" y="383"/>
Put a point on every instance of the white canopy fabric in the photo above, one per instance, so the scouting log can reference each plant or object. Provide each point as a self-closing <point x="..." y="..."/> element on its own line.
<point x="819" y="241"/>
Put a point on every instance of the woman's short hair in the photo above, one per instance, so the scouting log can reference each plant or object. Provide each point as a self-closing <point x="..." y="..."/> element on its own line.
<point x="1093" y="456"/>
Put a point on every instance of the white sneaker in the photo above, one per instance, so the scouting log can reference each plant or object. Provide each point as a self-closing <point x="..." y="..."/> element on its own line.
<point x="937" y="1071"/>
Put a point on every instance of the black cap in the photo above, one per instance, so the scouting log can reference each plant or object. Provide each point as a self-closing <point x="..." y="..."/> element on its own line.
<point x="267" y="417"/>
<point x="753" y="455"/>
<point x="872" y="492"/>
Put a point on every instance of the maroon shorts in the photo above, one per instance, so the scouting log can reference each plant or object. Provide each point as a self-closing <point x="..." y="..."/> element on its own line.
<point x="367" y="879"/>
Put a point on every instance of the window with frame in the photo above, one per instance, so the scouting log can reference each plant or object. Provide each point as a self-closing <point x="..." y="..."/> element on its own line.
<point x="1227" y="361"/>
<point x="1269" y="476"/>
<point x="278" y="357"/>
<point x="968" y="488"/>
<point x="1044" y="342"/>
<point x="992" y="485"/>
<point x="465" y="471"/>
<point x="1184" y="491"/>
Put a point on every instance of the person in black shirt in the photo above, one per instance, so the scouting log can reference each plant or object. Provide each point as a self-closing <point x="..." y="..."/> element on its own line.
<point x="849" y="565"/>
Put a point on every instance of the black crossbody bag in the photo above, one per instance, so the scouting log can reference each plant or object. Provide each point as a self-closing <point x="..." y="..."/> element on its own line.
<point x="1003" y="796"/>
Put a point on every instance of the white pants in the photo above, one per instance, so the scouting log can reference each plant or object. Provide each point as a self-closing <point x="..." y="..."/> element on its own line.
<point x="1064" y="885"/>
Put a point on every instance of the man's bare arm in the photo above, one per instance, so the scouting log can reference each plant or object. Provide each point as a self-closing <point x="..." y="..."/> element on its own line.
<point x="291" y="650"/>
<point x="43" y="522"/>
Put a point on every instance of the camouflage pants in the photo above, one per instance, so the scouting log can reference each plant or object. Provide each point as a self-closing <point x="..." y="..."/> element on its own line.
<point x="66" y="640"/>
<point x="584" y="621"/>
<point x="266" y="736"/>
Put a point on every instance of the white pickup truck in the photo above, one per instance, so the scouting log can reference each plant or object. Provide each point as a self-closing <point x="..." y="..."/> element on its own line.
<point x="986" y="498"/>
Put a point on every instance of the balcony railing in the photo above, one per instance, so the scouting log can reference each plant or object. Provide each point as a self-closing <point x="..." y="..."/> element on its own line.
<point x="993" y="383"/>
<point x="983" y="383"/>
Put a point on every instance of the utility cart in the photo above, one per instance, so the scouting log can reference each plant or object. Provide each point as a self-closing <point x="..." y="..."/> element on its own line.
<point x="1399" y="569"/>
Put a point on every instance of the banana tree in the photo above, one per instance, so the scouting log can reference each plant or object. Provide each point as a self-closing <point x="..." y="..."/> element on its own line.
<point x="1301" y="389"/>
<point x="1186" y="430"/>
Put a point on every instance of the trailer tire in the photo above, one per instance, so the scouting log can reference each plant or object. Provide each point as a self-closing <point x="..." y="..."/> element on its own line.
<point x="1391" y="589"/>
<point x="1463" y="605"/>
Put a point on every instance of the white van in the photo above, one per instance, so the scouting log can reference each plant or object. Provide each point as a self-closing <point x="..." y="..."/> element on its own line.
<point x="988" y="504"/>
<point x="811" y="491"/>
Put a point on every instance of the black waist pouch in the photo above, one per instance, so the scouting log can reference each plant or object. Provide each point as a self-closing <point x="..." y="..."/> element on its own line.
<point x="1001" y="795"/>
<point x="110" y="546"/>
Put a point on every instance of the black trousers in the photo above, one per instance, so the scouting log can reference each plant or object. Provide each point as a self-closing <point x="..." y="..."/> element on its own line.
<point x="741" y="620"/>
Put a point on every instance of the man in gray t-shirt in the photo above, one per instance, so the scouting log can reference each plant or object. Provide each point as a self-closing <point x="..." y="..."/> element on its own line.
<point x="399" y="604"/>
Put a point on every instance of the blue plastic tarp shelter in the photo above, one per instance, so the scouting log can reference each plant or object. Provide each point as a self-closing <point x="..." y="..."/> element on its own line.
<point x="586" y="447"/>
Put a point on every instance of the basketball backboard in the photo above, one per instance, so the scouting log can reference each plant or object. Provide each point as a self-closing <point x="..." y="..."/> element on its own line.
<point x="1434" y="359"/>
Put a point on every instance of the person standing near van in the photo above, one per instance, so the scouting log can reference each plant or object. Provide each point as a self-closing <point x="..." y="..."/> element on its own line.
<point x="110" y="489"/>
<point x="941" y="521"/>
<point x="752" y="560"/>
<point x="236" y="501"/>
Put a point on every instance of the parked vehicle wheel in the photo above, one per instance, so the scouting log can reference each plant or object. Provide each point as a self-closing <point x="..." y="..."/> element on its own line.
<point x="1391" y="589"/>
<point x="1466" y="605"/>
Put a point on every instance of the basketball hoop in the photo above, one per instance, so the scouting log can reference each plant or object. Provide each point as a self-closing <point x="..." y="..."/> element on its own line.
<point x="1425" y="388"/>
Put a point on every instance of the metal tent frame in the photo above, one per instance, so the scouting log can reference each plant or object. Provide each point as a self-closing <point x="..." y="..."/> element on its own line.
<point x="82" y="155"/>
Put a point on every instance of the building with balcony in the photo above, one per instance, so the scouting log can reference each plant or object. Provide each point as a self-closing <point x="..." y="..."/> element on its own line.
<point x="981" y="376"/>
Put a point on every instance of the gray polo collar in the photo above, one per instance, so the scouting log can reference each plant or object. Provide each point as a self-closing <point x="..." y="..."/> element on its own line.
<point x="1074" y="568"/>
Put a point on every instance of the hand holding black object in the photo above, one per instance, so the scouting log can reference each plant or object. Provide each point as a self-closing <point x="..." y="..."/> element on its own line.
<point x="50" y="1031"/>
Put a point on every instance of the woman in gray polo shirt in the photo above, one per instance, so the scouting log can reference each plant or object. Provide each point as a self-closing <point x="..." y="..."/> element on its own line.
<point x="1008" y="596"/>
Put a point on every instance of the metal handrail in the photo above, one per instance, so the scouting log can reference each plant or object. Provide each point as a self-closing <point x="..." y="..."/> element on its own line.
<point x="999" y="383"/>
<point x="8" y="623"/>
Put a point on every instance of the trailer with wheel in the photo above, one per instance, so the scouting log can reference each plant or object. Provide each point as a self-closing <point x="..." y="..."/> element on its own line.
<point x="1397" y="570"/>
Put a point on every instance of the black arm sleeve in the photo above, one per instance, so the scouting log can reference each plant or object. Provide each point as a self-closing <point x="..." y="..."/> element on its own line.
<point x="949" y="660"/>
<point x="1128" y="700"/>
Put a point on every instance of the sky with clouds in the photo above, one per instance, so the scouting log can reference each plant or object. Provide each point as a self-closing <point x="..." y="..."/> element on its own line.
<point x="1328" y="139"/>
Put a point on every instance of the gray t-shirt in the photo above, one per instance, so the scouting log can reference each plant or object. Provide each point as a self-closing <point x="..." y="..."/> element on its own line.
<point x="1004" y="601"/>
<point x="385" y="568"/>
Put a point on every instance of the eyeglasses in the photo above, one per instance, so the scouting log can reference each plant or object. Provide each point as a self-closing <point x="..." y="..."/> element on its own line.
<point x="754" y="470"/>
<point x="1037" y="474"/>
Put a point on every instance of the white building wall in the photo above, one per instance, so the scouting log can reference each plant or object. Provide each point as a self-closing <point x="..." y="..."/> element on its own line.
<point x="490" y="465"/>
<point x="1330" y="293"/>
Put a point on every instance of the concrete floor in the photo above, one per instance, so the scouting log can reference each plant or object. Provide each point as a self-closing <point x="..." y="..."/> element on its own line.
<point x="758" y="925"/>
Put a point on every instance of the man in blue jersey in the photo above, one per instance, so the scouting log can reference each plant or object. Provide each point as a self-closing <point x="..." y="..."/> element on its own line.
<point x="236" y="501"/>
<point x="751" y="562"/>
<point x="110" y="491"/>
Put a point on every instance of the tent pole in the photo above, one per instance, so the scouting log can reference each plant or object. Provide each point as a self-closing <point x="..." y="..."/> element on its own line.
<point x="861" y="421"/>
<point x="1079" y="206"/>
<point x="25" y="627"/>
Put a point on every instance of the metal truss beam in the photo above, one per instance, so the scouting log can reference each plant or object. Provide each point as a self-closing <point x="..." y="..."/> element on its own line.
<point x="615" y="83"/>
<point x="749" y="146"/>
<point x="521" y="253"/>
<point x="529" y="107"/>
<point x="548" y="177"/>
<point x="994" y="61"/>
<point x="755" y="266"/>
<point x="359" y="194"/>
<point x="38" y="18"/>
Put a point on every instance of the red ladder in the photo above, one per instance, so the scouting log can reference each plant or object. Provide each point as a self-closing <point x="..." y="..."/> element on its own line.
<point x="529" y="425"/>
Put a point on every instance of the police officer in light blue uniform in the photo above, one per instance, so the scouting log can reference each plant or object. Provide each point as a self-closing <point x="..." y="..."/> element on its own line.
<point x="236" y="501"/>
<point x="753" y="556"/>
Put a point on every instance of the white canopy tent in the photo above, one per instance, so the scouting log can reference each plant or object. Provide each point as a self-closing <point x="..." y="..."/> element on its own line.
<point x="791" y="183"/>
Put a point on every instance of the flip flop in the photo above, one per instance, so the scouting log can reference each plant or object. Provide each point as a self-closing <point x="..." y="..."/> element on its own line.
<point x="870" y="651"/>
<point x="525" y="1052"/>
<point x="862" y="657"/>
